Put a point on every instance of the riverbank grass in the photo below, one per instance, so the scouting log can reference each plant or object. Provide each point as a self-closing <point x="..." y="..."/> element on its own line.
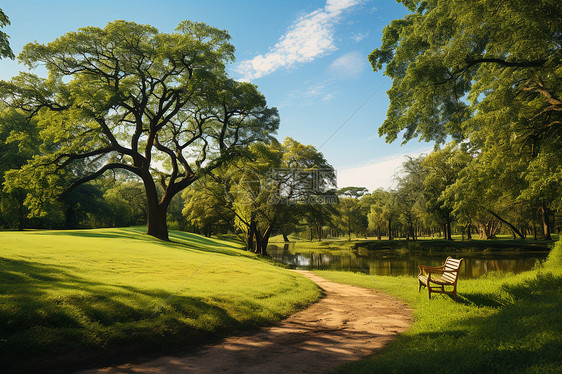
<point x="69" y="297"/>
<point x="499" y="324"/>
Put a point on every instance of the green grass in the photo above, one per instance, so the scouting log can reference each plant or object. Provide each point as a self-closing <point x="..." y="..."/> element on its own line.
<point x="68" y="297"/>
<point x="499" y="324"/>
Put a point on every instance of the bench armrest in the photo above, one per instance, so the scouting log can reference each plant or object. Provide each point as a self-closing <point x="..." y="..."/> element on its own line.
<point x="429" y="269"/>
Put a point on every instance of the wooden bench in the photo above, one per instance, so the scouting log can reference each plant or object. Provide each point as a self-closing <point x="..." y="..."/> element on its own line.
<point x="436" y="278"/>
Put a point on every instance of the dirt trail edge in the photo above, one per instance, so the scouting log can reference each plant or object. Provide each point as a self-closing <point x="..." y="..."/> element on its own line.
<point x="347" y="324"/>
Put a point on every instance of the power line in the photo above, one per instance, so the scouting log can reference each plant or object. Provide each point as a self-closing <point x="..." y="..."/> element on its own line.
<point x="354" y="113"/>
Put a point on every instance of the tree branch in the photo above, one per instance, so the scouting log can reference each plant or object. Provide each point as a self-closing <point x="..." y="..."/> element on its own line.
<point x="96" y="174"/>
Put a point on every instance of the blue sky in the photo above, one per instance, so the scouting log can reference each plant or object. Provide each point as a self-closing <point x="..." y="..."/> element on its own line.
<point x="309" y="58"/>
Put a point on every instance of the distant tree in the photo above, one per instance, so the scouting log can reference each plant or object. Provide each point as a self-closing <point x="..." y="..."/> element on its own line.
<point x="379" y="217"/>
<point x="409" y="196"/>
<point x="127" y="202"/>
<point x="274" y="185"/>
<point x="441" y="169"/>
<point x="127" y="97"/>
<point x="354" y="192"/>
<point x="19" y="142"/>
<point x="205" y="206"/>
<point x="5" y="50"/>
<point x="282" y="183"/>
<point x="352" y="216"/>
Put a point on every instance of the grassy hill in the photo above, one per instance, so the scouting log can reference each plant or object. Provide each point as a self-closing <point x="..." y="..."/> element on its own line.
<point x="70" y="297"/>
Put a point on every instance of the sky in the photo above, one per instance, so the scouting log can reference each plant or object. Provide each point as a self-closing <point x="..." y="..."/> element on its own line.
<point x="309" y="59"/>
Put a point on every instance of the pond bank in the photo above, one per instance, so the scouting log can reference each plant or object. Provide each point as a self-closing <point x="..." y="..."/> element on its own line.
<point x="441" y="245"/>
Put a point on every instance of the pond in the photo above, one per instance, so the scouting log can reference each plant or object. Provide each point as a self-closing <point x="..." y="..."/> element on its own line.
<point x="395" y="263"/>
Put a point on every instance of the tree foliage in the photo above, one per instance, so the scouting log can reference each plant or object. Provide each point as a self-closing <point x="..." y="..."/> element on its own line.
<point x="273" y="187"/>
<point x="127" y="97"/>
<point x="488" y="75"/>
<point x="455" y="63"/>
<point x="5" y="50"/>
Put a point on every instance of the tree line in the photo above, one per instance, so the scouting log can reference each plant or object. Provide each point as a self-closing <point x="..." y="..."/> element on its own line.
<point x="130" y="117"/>
<point x="483" y="80"/>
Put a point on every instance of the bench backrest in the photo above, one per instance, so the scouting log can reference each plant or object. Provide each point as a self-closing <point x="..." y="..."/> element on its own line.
<point x="452" y="266"/>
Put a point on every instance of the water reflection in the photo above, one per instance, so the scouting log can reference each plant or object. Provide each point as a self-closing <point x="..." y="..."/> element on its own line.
<point x="394" y="264"/>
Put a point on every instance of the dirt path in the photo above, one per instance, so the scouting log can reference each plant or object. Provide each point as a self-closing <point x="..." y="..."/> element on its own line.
<point x="347" y="324"/>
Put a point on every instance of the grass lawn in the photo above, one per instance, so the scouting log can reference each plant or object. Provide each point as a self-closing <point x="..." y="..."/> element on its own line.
<point x="69" y="297"/>
<point x="499" y="324"/>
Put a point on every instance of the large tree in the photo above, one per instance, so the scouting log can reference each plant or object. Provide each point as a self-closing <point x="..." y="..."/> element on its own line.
<point x="127" y="97"/>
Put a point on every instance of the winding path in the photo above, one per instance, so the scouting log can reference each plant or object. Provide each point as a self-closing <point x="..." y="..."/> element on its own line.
<point x="347" y="324"/>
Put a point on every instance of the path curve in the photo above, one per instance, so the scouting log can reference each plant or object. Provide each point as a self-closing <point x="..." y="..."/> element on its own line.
<point x="347" y="324"/>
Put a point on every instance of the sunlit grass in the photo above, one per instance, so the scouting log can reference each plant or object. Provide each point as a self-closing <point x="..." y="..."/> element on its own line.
<point x="69" y="296"/>
<point x="503" y="324"/>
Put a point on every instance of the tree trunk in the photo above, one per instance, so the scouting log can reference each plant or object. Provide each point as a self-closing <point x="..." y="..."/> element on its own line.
<point x="468" y="231"/>
<point x="545" y="212"/>
<point x="262" y="241"/>
<point x="448" y="231"/>
<point x="513" y="228"/>
<point x="265" y="240"/>
<point x="251" y="235"/>
<point x="156" y="222"/>
<point x="155" y="212"/>
<point x="378" y="232"/>
<point x="285" y="238"/>
<point x="390" y="229"/>
<point x="20" y="197"/>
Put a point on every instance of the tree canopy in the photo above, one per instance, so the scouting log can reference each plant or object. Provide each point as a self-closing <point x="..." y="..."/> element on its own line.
<point x="457" y="64"/>
<point x="276" y="185"/>
<point x="127" y="97"/>
<point x="5" y="50"/>
<point x="487" y="75"/>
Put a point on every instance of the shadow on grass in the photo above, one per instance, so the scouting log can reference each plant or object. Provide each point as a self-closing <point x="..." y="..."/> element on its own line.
<point x="120" y="233"/>
<point x="49" y="316"/>
<point x="203" y="243"/>
<point x="178" y="239"/>
<point x="480" y="300"/>
<point x="524" y="335"/>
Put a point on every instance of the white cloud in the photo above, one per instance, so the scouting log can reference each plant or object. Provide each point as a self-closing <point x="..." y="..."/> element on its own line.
<point x="360" y="36"/>
<point x="350" y="65"/>
<point x="374" y="174"/>
<point x="311" y="93"/>
<point x="310" y="37"/>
